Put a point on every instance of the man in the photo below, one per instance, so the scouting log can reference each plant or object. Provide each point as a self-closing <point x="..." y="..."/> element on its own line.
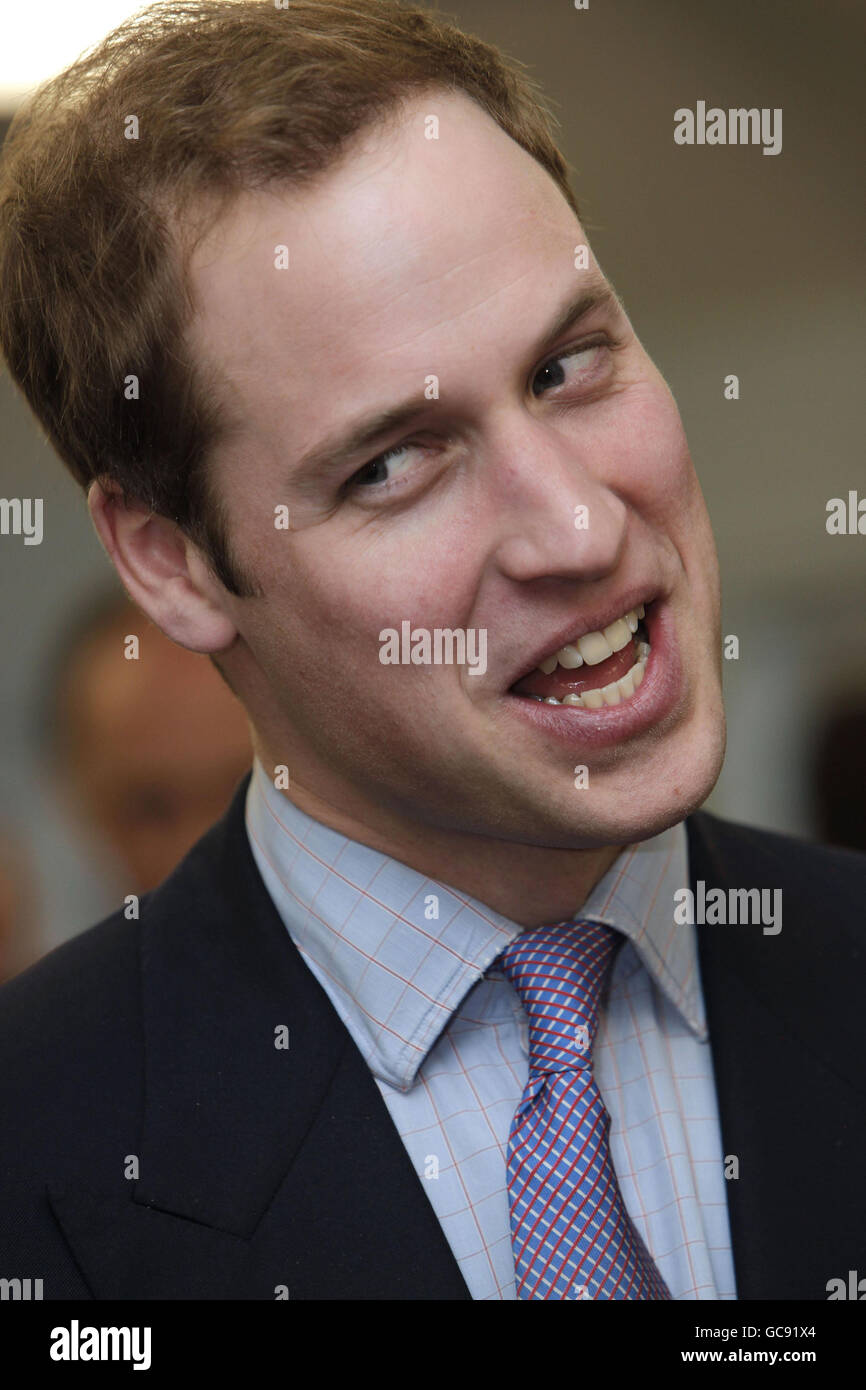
<point x="147" y="741"/>
<point x="20" y="943"/>
<point x="426" y="1016"/>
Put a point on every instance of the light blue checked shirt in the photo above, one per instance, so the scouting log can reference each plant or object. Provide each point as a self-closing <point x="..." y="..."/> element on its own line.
<point x="406" y="962"/>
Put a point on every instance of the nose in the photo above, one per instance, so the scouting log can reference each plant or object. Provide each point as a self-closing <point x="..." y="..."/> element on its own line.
<point x="551" y="516"/>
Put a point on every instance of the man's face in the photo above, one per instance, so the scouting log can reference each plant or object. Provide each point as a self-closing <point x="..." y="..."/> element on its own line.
<point x="157" y="746"/>
<point x="454" y="258"/>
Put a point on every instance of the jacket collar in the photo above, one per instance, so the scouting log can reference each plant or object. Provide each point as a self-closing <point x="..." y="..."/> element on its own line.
<point x="216" y="989"/>
<point x="225" y="1108"/>
<point x="235" y="1127"/>
<point x="261" y="1167"/>
<point x="784" y="1024"/>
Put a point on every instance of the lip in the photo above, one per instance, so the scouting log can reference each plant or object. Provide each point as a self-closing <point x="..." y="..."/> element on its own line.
<point x="657" y="696"/>
<point x="592" y="622"/>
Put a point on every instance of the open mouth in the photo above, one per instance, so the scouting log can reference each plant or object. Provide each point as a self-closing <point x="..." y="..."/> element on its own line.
<point x="599" y="668"/>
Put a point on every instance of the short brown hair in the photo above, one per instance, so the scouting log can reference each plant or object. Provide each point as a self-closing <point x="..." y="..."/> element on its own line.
<point x="229" y="95"/>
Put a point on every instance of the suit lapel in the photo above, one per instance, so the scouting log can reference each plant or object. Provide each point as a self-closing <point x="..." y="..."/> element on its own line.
<point x="266" y="1168"/>
<point x="781" y="1012"/>
<point x="260" y="1166"/>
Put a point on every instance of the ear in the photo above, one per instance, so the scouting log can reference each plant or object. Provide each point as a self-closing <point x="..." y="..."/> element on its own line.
<point x="163" y="572"/>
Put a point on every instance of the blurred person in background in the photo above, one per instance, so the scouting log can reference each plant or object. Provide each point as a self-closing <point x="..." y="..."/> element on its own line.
<point x="141" y="746"/>
<point x="148" y="742"/>
<point x="21" y="941"/>
<point x="839" y="773"/>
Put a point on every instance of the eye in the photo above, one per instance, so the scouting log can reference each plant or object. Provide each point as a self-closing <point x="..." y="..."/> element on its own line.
<point x="383" y="468"/>
<point x="584" y="362"/>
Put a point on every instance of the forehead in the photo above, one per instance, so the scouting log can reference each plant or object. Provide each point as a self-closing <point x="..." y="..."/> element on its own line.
<point x="408" y="254"/>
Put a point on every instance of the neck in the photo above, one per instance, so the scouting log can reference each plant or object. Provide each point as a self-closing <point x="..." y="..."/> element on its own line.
<point x="529" y="884"/>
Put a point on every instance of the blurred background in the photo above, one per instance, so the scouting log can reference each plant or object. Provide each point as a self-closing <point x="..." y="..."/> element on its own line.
<point x="729" y="262"/>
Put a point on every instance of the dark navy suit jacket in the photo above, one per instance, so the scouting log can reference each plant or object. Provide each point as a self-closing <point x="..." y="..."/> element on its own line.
<point x="148" y="1047"/>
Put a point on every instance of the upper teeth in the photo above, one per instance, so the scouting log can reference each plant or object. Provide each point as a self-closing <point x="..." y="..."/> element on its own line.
<point x="594" y="647"/>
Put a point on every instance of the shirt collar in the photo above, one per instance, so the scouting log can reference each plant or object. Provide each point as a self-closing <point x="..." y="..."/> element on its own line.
<point x="397" y="952"/>
<point x="636" y="896"/>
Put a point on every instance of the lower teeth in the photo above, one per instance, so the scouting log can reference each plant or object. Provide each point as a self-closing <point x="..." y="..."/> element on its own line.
<point x="612" y="694"/>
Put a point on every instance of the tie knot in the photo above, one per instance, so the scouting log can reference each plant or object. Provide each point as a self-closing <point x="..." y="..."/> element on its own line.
<point x="559" y="972"/>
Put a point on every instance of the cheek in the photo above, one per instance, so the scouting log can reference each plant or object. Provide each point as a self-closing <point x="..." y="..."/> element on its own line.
<point x="665" y="490"/>
<point x="646" y="459"/>
<point x="422" y="567"/>
<point x="337" y="597"/>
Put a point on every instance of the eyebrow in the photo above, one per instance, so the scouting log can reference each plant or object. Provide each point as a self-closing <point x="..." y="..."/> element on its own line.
<point x="358" y="438"/>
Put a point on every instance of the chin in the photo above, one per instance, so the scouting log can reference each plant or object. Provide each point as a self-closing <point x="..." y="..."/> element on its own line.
<point x="643" y="803"/>
<point x="635" y="801"/>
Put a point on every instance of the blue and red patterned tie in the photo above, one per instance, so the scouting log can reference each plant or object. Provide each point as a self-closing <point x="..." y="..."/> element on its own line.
<point x="571" y="1234"/>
